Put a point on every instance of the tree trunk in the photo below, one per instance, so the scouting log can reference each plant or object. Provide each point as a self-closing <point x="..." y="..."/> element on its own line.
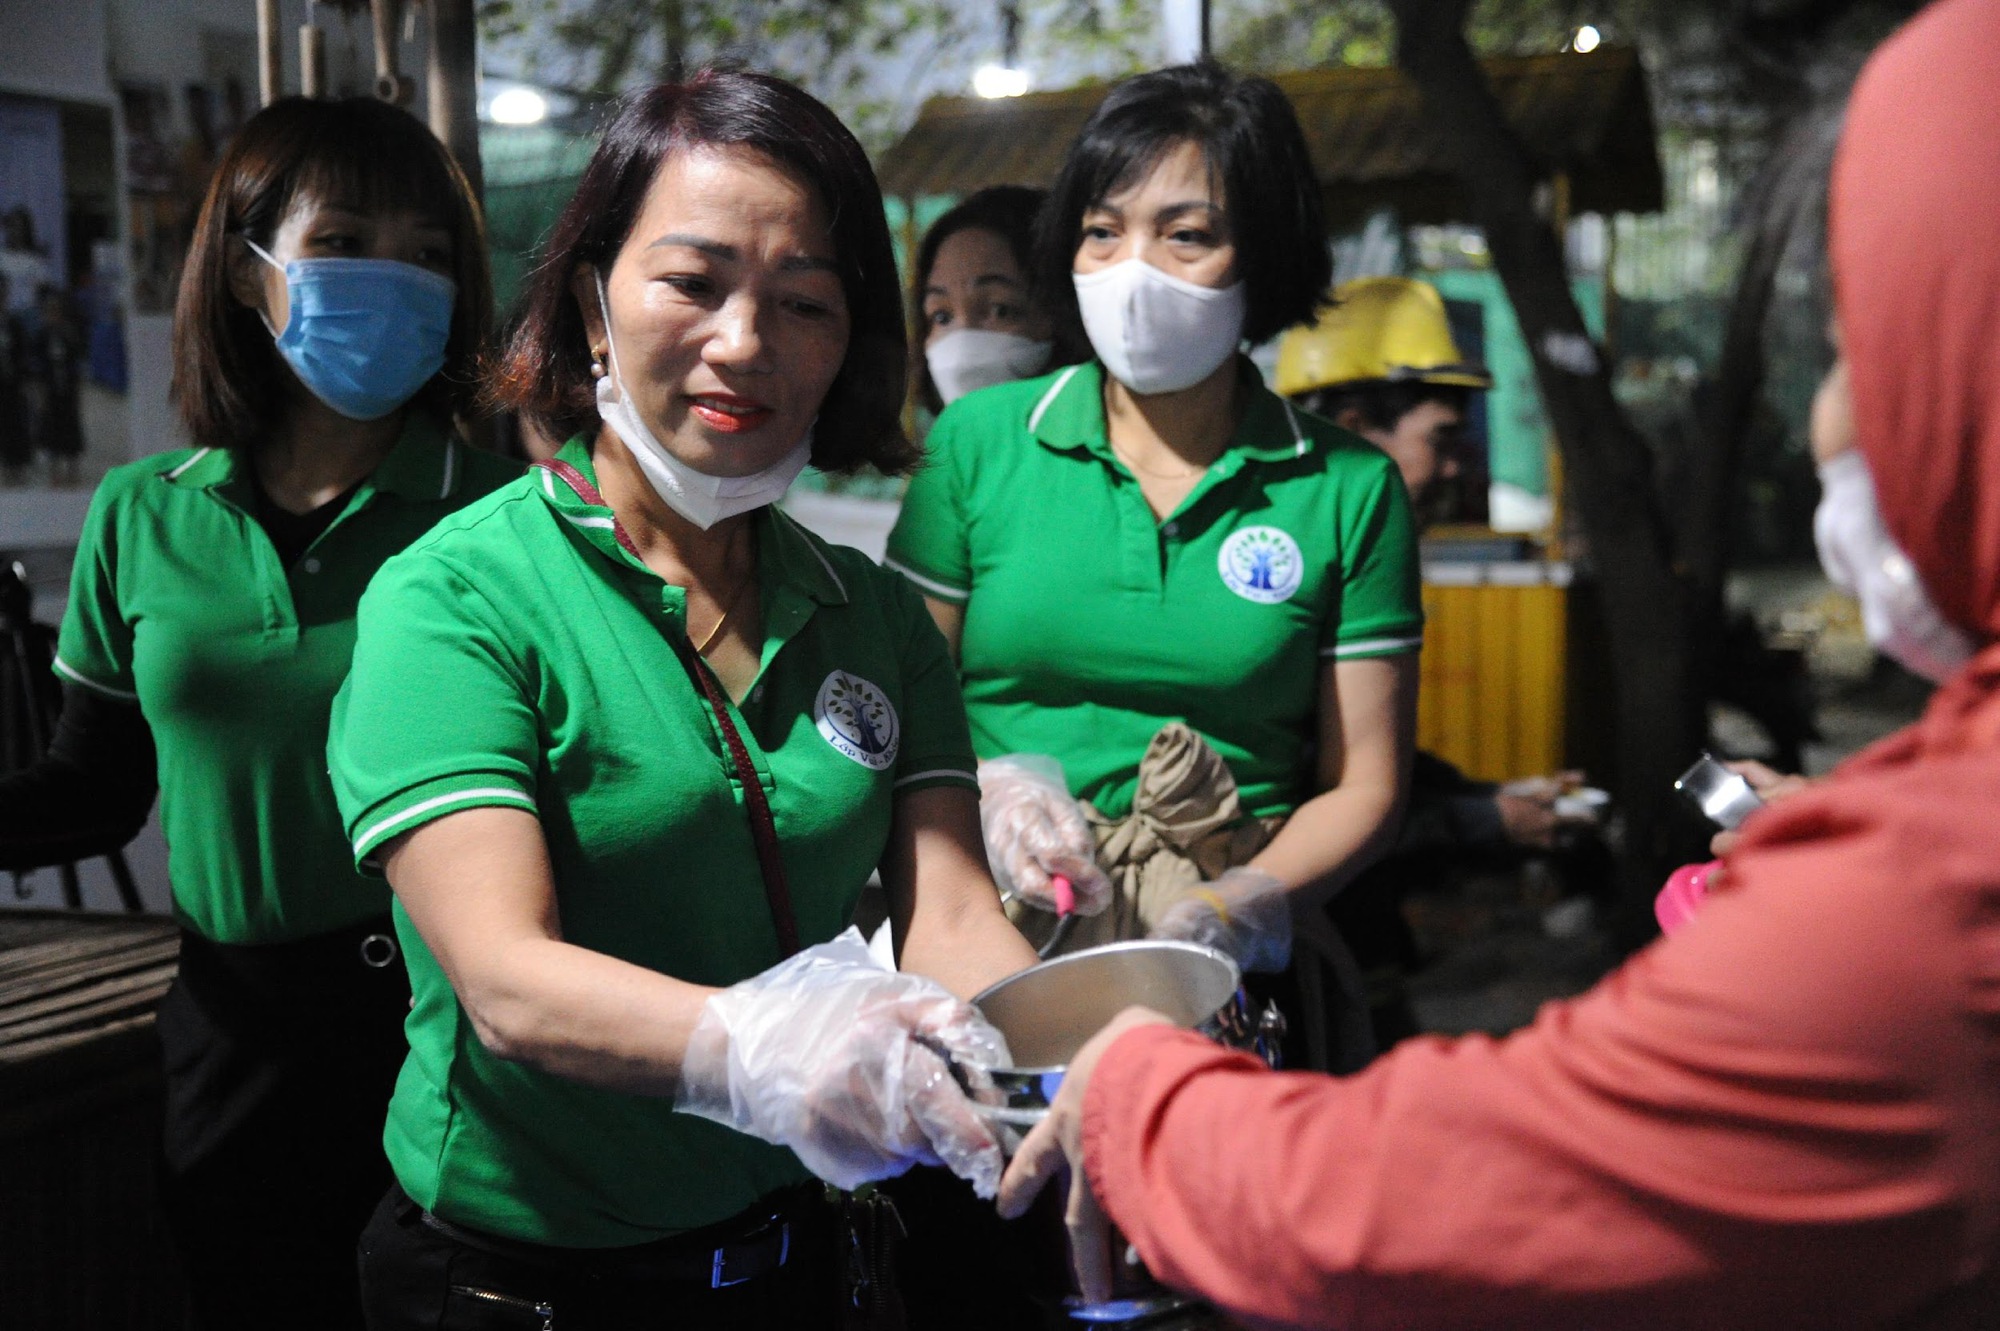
<point x="1660" y="717"/>
<point x="1783" y="201"/>
<point x="673" y="40"/>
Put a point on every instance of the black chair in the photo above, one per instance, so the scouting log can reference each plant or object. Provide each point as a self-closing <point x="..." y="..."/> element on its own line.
<point x="30" y="704"/>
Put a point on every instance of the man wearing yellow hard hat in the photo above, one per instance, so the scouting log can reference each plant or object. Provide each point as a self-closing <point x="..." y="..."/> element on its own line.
<point x="1382" y="363"/>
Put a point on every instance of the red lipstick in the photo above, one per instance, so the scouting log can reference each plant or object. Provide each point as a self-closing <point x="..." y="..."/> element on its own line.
<point x="727" y="413"/>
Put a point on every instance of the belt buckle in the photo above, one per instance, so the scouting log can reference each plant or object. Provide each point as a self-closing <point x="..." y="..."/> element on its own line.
<point x="718" y="1275"/>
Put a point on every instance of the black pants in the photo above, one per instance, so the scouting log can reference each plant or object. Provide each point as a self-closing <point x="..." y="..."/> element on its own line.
<point x="280" y="1060"/>
<point x="963" y="1268"/>
<point x="416" y="1278"/>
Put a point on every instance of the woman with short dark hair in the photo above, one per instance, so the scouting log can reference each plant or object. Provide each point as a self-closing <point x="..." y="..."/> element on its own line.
<point x="974" y="300"/>
<point x="332" y="306"/>
<point x="627" y="741"/>
<point x="1200" y="602"/>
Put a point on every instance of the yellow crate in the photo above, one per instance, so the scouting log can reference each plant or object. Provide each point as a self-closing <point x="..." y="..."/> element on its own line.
<point x="1493" y="698"/>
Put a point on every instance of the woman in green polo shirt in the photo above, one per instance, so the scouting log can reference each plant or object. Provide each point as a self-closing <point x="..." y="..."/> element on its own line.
<point x="1152" y="554"/>
<point x="627" y="742"/>
<point x="331" y="308"/>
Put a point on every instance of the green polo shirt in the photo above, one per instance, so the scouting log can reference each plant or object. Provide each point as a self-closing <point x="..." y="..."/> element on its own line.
<point x="519" y="657"/>
<point x="178" y="602"/>
<point x="1089" y="623"/>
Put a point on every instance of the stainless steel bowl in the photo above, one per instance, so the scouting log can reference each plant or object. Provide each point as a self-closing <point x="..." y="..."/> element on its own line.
<point x="1050" y="1011"/>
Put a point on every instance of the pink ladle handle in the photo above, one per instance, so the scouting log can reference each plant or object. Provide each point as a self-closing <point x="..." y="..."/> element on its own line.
<point x="1065" y="895"/>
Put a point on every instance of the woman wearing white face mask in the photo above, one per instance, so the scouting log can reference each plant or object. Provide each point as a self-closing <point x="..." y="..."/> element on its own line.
<point x="627" y="741"/>
<point x="1862" y="559"/>
<point x="1785" y="1113"/>
<point x="982" y="324"/>
<point x="331" y="313"/>
<point x="1202" y="603"/>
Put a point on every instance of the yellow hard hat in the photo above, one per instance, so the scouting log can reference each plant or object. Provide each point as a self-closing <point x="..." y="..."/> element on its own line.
<point x="1380" y="328"/>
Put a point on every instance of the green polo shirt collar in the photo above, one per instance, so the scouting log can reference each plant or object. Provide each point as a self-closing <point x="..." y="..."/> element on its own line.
<point x="783" y="549"/>
<point x="416" y="467"/>
<point x="1070" y="415"/>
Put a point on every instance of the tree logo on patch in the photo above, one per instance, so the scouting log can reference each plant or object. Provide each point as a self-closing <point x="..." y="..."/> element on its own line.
<point x="1261" y="564"/>
<point x="856" y="719"/>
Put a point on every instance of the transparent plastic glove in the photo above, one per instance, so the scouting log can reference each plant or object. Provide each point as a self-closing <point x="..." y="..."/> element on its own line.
<point x="1036" y="832"/>
<point x="1245" y="913"/>
<point x="837" y="1058"/>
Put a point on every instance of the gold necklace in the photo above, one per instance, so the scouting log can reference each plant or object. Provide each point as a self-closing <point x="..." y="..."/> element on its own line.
<point x="701" y="648"/>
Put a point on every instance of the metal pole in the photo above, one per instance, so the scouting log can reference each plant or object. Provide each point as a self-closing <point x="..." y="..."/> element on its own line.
<point x="454" y="87"/>
<point x="270" y="69"/>
<point x="312" y="60"/>
<point x="390" y="83"/>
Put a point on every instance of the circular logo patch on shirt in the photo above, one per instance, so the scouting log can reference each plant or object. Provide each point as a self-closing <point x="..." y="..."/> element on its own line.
<point x="856" y="718"/>
<point x="1261" y="564"/>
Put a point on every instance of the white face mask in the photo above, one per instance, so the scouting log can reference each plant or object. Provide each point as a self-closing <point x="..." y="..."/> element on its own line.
<point x="1857" y="552"/>
<point x="697" y="496"/>
<point x="975" y="358"/>
<point x="1156" y="333"/>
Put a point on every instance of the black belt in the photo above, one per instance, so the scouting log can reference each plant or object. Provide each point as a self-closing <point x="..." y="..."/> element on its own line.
<point x="718" y="1256"/>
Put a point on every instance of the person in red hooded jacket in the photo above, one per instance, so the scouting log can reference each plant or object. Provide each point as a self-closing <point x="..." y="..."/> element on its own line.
<point x="1788" y="1113"/>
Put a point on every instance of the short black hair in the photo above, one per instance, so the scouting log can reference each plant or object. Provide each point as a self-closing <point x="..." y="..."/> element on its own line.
<point x="1009" y="212"/>
<point x="229" y="381"/>
<point x="1251" y="139"/>
<point x="1382" y="403"/>
<point x="545" y="371"/>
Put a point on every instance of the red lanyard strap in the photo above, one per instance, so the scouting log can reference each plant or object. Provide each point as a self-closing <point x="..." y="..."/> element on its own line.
<point x="763" y="828"/>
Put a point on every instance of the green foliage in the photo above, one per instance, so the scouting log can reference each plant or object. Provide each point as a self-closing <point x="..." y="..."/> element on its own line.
<point x="1271" y="38"/>
<point x="870" y="60"/>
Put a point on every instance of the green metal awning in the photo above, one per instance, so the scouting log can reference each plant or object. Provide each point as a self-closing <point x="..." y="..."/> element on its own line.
<point x="1587" y="117"/>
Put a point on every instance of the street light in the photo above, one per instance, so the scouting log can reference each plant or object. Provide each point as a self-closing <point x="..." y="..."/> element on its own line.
<point x="518" y="106"/>
<point x="1000" y="81"/>
<point x="1586" y="40"/>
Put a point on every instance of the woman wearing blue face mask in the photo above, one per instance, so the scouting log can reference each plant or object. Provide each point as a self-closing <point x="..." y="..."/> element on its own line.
<point x="1201" y="602"/>
<point x="331" y="309"/>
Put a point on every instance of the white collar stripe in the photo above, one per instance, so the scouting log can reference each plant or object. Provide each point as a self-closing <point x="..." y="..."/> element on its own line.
<point x="174" y="475"/>
<point x="1298" y="435"/>
<point x="1055" y="391"/>
<point x="806" y="538"/>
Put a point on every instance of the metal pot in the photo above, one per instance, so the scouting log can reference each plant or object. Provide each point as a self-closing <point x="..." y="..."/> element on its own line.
<point x="1050" y="1011"/>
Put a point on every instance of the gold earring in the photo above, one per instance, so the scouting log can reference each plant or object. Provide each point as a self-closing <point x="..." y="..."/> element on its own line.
<point x="597" y="362"/>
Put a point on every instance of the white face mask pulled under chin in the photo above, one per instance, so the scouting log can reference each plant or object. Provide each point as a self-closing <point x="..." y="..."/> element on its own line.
<point x="974" y="358"/>
<point x="1858" y="553"/>
<point x="697" y="496"/>
<point x="1157" y="333"/>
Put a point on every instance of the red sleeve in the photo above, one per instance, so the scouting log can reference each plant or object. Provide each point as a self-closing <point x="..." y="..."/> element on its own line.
<point x="1783" y="1116"/>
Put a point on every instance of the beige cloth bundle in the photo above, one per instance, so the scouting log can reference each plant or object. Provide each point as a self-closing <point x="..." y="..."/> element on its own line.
<point x="1186" y="826"/>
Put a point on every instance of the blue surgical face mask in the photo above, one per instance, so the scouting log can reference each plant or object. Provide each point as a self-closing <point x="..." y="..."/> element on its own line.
<point x="364" y="334"/>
